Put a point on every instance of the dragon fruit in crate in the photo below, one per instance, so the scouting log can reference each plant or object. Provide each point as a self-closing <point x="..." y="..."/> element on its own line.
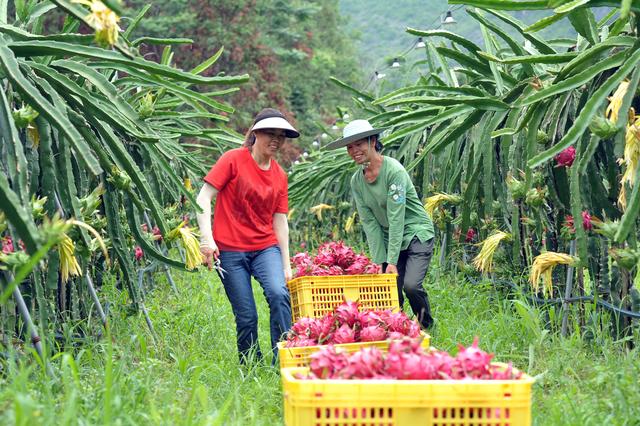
<point x="346" y="324"/>
<point x="407" y="360"/>
<point x="333" y="258"/>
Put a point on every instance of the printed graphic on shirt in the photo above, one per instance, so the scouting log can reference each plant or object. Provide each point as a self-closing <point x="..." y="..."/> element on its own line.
<point x="397" y="193"/>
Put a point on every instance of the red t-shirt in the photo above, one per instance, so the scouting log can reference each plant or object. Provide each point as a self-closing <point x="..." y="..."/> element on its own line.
<point x="247" y="199"/>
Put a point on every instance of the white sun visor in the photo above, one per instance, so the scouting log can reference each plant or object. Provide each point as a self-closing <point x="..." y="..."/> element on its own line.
<point x="276" y="123"/>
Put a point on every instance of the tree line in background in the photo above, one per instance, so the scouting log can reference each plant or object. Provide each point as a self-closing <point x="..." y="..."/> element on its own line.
<point x="289" y="48"/>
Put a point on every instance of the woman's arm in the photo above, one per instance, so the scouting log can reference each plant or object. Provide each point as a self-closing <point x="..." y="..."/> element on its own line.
<point x="208" y="247"/>
<point x="281" y="229"/>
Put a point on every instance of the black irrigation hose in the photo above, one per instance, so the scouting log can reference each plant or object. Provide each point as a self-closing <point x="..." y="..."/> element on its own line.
<point x="558" y="301"/>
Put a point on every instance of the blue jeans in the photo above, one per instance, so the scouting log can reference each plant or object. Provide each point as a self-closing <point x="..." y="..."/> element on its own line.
<point x="266" y="266"/>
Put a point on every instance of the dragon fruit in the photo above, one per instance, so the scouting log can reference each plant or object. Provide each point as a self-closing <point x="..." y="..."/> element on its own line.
<point x="395" y="335"/>
<point x="471" y="362"/>
<point x="324" y="258"/>
<point x="301" y="342"/>
<point x="364" y="364"/>
<point x="407" y="360"/>
<point x="346" y="325"/>
<point x="326" y="362"/>
<point x="470" y="235"/>
<point x="586" y="221"/>
<point x="403" y="345"/>
<point x="416" y="366"/>
<point x="368" y="318"/>
<point x="333" y="258"/>
<point x="373" y="268"/>
<point x="344" y="334"/>
<point x="347" y="313"/>
<point x="157" y="235"/>
<point x="138" y="253"/>
<point x="497" y="372"/>
<point x="303" y="326"/>
<point x="398" y="322"/>
<point x="344" y="255"/>
<point x="443" y="363"/>
<point x="414" y="329"/>
<point x="372" y="333"/>
<point x="358" y="266"/>
<point x="568" y="224"/>
<point x="566" y="157"/>
<point x="301" y="260"/>
<point x="7" y="245"/>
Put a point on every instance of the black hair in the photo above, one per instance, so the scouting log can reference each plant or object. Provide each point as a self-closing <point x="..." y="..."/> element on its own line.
<point x="378" y="144"/>
<point x="250" y="138"/>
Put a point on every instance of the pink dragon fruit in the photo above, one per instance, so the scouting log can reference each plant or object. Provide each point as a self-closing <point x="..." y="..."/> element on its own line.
<point x="368" y="318"/>
<point x="393" y="364"/>
<point x="394" y="335"/>
<point x="566" y="157"/>
<point x="327" y="327"/>
<point x="498" y="372"/>
<point x="138" y="253"/>
<point x="358" y="266"/>
<point x="372" y="333"/>
<point x="398" y="322"/>
<point x="470" y="235"/>
<point x="405" y="345"/>
<point x="325" y="258"/>
<point x="416" y="366"/>
<point x="406" y="360"/>
<point x="316" y="328"/>
<point x="586" y="221"/>
<point x="333" y="258"/>
<point x="327" y="361"/>
<point x="335" y="270"/>
<point x="373" y="268"/>
<point x="301" y="327"/>
<point x="7" y="245"/>
<point x="344" y="334"/>
<point x="364" y="364"/>
<point x="472" y="362"/>
<point x="301" y="341"/>
<point x="443" y="363"/>
<point x="157" y="235"/>
<point x="414" y="329"/>
<point x="302" y="260"/>
<point x="347" y="313"/>
<point x="344" y="255"/>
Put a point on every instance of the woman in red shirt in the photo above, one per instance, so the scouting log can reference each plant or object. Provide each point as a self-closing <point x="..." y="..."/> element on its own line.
<point x="250" y="229"/>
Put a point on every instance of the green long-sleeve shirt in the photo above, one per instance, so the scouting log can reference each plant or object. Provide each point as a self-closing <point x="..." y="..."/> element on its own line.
<point x="390" y="211"/>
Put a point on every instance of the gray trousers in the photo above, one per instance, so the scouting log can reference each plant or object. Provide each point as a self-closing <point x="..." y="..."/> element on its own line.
<point x="413" y="264"/>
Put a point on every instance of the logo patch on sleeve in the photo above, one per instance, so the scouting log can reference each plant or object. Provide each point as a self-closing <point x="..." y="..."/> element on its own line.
<point x="397" y="193"/>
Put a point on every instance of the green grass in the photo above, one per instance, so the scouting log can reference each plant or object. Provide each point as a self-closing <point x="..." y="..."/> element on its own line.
<point x="191" y="375"/>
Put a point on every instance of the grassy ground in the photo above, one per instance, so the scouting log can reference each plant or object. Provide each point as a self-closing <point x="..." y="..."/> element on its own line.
<point x="191" y="375"/>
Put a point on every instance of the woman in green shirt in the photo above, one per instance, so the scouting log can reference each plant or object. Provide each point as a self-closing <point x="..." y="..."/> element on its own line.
<point x="399" y="231"/>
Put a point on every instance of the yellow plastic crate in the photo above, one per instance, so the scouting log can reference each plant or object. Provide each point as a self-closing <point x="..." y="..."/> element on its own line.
<point x="316" y="296"/>
<point x="299" y="356"/>
<point x="405" y="402"/>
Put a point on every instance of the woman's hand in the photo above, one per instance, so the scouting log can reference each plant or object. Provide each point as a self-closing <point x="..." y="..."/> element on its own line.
<point x="209" y="255"/>
<point x="287" y="273"/>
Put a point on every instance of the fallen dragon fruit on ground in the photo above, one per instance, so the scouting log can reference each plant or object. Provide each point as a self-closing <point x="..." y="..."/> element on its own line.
<point x="333" y="258"/>
<point x="407" y="360"/>
<point x="346" y="324"/>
